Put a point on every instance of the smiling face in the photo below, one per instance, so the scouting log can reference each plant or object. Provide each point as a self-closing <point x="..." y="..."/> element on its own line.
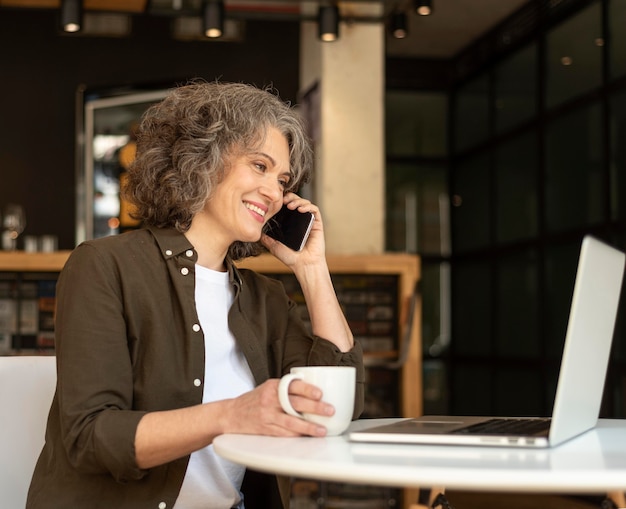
<point x="251" y="191"/>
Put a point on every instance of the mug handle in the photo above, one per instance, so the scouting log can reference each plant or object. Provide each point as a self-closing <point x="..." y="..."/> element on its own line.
<point x="283" y="393"/>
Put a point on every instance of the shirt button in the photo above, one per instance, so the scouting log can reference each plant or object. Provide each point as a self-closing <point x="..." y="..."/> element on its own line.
<point x="162" y="505"/>
<point x="189" y="253"/>
<point x="168" y="252"/>
<point x="184" y="271"/>
<point x="195" y="327"/>
<point x="197" y="382"/>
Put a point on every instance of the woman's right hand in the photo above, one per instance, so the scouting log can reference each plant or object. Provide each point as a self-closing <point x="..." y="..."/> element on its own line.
<point x="170" y="434"/>
<point x="259" y="412"/>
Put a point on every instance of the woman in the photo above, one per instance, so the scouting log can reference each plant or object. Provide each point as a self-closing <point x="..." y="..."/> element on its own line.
<point x="162" y="343"/>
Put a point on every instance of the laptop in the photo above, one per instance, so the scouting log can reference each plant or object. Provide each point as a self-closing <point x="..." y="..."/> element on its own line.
<point x="581" y="378"/>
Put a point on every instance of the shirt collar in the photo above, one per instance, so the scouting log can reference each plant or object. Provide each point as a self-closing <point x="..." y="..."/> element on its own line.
<point x="173" y="243"/>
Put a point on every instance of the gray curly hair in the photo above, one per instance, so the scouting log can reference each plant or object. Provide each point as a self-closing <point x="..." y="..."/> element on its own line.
<point x="184" y="141"/>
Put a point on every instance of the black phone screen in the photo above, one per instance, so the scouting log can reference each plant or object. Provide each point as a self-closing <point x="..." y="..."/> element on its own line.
<point x="291" y="227"/>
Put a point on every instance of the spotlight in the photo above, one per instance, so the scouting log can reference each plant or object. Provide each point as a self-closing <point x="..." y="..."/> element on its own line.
<point x="71" y="15"/>
<point x="213" y="18"/>
<point x="328" y="23"/>
<point x="424" y="7"/>
<point x="398" y="25"/>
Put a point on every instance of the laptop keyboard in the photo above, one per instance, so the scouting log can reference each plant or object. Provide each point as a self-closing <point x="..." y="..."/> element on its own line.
<point x="501" y="426"/>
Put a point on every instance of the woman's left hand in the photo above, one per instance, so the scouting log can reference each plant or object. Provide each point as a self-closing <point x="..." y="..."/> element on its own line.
<point x="314" y="249"/>
<point x="311" y="271"/>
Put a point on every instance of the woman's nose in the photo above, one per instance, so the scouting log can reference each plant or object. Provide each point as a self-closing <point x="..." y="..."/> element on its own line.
<point x="273" y="190"/>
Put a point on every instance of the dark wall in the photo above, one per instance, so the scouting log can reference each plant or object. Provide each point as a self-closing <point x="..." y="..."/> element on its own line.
<point x="41" y="71"/>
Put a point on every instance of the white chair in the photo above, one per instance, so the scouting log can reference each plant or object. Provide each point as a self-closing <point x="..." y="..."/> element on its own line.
<point x="27" y="386"/>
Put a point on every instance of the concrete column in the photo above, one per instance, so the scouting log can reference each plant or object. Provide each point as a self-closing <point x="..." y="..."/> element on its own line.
<point x="347" y="77"/>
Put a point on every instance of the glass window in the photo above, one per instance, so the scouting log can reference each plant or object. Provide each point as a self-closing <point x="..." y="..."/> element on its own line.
<point x="472" y="387"/>
<point x="618" y="382"/>
<point x="516" y="89"/>
<point x="471" y="204"/>
<point x="471" y="122"/>
<point x="518" y="392"/>
<point x="417" y="208"/>
<point x="516" y="189"/>
<point x="516" y="306"/>
<point x="575" y="178"/>
<point x="416" y="123"/>
<point x="472" y="305"/>
<point x="617" y="49"/>
<point x="436" y="392"/>
<point x="619" y="336"/>
<point x="558" y="286"/>
<point x="617" y="119"/>
<point x="574" y="56"/>
<point x="435" y="288"/>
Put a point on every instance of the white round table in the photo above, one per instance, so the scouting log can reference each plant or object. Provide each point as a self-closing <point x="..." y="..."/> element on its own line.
<point x="594" y="462"/>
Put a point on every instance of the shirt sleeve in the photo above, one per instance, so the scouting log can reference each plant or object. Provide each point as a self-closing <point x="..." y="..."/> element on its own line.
<point x="95" y="376"/>
<point x="319" y="351"/>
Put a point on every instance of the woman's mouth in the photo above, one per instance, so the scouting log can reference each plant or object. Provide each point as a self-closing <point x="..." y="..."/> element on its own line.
<point x="256" y="209"/>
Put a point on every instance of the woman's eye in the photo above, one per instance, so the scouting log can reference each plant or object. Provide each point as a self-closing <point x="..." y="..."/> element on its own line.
<point x="260" y="166"/>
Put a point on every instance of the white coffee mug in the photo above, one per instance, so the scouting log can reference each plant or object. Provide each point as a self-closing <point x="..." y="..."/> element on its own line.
<point x="337" y="384"/>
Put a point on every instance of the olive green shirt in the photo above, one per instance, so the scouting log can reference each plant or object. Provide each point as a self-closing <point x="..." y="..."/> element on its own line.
<point x="128" y="342"/>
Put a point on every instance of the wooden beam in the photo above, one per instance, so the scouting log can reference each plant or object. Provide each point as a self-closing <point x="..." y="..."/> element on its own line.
<point x="89" y="5"/>
<point x="50" y="4"/>
<point x="116" y="5"/>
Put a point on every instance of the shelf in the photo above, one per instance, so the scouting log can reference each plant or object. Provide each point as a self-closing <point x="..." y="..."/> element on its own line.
<point x="20" y="261"/>
<point x="384" y="263"/>
<point x="392" y="263"/>
<point x="387" y="354"/>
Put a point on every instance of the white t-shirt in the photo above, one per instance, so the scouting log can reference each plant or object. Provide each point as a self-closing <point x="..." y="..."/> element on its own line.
<point x="212" y="482"/>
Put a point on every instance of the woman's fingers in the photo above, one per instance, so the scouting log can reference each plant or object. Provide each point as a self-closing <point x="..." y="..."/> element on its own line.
<point x="307" y="398"/>
<point x="259" y="411"/>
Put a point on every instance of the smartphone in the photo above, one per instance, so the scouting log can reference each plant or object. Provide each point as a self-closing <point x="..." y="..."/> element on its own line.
<point x="291" y="227"/>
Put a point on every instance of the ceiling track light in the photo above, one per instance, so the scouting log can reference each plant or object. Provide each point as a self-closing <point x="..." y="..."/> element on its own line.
<point x="398" y="25"/>
<point x="423" y="7"/>
<point x="213" y="18"/>
<point x="328" y="23"/>
<point x="71" y="15"/>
